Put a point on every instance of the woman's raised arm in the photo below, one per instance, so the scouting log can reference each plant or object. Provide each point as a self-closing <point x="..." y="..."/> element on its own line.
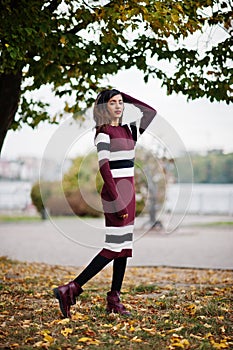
<point x="148" y="112"/>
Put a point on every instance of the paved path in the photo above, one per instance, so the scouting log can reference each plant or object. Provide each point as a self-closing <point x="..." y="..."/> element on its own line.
<point x="75" y="242"/>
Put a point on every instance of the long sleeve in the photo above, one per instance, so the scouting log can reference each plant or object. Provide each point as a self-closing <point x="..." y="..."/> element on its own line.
<point x="102" y="142"/>
<point x="148" y="112"/>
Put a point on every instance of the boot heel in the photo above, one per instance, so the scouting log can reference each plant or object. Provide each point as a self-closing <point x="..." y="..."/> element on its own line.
<point x="66" y="296"/>
<point x="57" y="296"/>
<point x="56" y="293"/>
<point x="114" y="305"/>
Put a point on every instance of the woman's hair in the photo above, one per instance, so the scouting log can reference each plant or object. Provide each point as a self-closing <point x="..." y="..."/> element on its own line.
<point x="100" y="113"/>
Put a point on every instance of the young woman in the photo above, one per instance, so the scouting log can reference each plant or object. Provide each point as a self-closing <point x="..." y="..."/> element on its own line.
<point x="116" y="150"/>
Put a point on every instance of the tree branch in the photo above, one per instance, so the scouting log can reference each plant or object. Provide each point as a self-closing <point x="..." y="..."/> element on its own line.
<point x="53" y="5"/>
<point x="74" y="30"/>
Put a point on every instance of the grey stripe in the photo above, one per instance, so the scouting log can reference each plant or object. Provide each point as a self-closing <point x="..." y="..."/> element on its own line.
<point x="119" y="239"/>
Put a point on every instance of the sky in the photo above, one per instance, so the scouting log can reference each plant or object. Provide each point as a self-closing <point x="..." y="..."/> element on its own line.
<point x="200" y="124"/>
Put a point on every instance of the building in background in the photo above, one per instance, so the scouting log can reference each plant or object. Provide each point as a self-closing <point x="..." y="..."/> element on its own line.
<point x="16" y="179"/>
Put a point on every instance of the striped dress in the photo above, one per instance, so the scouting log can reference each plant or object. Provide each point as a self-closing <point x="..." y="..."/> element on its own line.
<point x="116" y="153"/>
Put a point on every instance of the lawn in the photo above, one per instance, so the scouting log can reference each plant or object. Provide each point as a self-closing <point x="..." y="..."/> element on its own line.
<point x="171" y="309"/>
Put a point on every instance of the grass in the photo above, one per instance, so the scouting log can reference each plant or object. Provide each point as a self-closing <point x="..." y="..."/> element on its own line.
<point x="23" y="218"/>
<point x="214" y="224"/>
<point x="171" y="309"/>
<point x="220" y="223"/>
<point x="16" y="218"/>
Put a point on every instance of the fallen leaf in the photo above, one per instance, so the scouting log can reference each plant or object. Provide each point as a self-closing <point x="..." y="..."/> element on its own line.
<point x="151" y="331"/>
<point x="80" y="316"/>
<point x="14" y="345"/>
<point x="175" y="329"/>
<point x="191" y="309"/>
<point x="84" y="339"/>
<point x="136" y="340"/>
<point x="177" y="341"/>
<point x="66" y="332"/>
<point x="89" y="341"/>
<point x="64" y="321"/>
<point x="196" y="336"/>
<point x="206" y="325"/>
<point x="48" y="338"/>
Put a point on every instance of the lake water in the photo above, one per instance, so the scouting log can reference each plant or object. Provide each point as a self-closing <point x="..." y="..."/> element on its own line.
<point x="196" y="198"/>
<point x="15" y="195"/>
<point x="202" y="198"/>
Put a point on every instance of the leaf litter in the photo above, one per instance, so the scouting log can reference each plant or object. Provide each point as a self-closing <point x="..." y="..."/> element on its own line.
<point x="171" y="309"/>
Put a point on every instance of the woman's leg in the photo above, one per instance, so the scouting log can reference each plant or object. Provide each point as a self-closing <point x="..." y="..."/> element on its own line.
<point x="113" y="297"/>
<point x="67" y="293"/>
<point x="95" y="266"/>
<point x="119" y="266"/>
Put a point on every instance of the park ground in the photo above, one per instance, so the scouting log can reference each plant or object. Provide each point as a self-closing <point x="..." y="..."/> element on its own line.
<point x="172" y="308"/>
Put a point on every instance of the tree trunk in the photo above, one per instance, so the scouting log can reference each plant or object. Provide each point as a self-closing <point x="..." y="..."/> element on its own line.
<point x="9" y="99"/>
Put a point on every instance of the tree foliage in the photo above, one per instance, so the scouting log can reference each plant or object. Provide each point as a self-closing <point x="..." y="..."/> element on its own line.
<point x="85" y="177"/>
<point x="73" y="45"/>
<point x="39" y="202"/>
<point x="215" y="167"/>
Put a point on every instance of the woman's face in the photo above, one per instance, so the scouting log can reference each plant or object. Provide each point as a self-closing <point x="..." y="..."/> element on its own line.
<point x="115" y="107"/>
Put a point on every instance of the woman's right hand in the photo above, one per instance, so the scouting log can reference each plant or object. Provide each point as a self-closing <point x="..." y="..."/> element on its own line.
<point x="124" y="216"/>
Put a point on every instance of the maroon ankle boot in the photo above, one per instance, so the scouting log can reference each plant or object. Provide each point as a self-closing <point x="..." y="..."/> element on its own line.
<point x="114" y="304"/>
<point x="66" y="296"/>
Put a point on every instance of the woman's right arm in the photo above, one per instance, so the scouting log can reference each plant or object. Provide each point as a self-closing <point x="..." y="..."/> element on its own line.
<point x="102" y="142"/>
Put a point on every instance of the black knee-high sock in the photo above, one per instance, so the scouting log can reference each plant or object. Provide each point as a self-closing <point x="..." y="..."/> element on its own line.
<point x="95" y="266"/>
<point x="119" y="266"/>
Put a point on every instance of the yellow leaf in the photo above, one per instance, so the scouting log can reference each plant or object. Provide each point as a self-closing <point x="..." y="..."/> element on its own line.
<point x="38" y="311"/>
<point x="39" y="344"/>
<point x="66" y="331"/>
<point x="175" y="17"/>
<point x="175" y="329"/>
<point x="136" y="340"/>
<point x="209" y="336"/>
<point x="79" y="316"/>
<point x="202" y="317"/>
<point x="48" y="338"/>
<point x="84" y="339"/>
<point x="221" y="318"/>
<point x="63" y="40"/>
<point x="151" y="331"/>
<point x="196" y="336"/>
<point x="222" y="345"/>
<point x="45" y="332"/>
<point x="223" y="330"/>
<point x="191" y="309"/>
<point x="117" y="342"/>
<point x="64" y="321"/>
<point x="177" y="341"/>
<point x="225" y="309"/>
<point x="26" y="321"/>
<point x="122" y="336"/>
<point x="28" y="340"/>
<point x="179" y="7"/>
<point x="94" y="342"/>
<point x="206" y="325"/>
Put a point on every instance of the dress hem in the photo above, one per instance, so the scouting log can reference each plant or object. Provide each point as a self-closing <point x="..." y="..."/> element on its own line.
<point x="109" y="254"/>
